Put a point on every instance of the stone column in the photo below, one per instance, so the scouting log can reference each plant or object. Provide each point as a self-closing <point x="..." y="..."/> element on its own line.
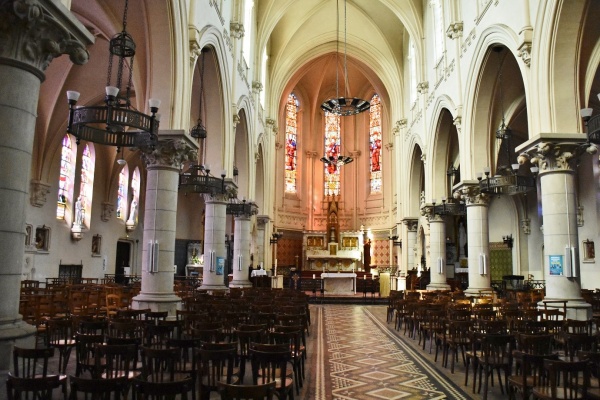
<point x="408" y="252"/>
<point x="214" y="241"/>
<point x="437" y="253"/>
<point x="241" y="251"/>
<point x="556" y="158"/>
<point x="478" y="239"/>
<point x="262" y="222"/>
<point x="32" y="34"/>
<point x="163" y="164"/>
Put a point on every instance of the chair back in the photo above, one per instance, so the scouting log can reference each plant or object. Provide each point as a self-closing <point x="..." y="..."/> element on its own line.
<point x="567" y="380"/>
<point x="269" y="363"/>
<point x="98" y="389"/>
<point x="115" y="360"/>
<point x="158" y="365"/>
<point x="85" y="353"/>
<point x="31" y="363"/>
<point x="31" y="388"/>
<point x="145" y="390"/>
<point x="214" y="366"/>
<point x="247" y="392"/>
<point x="535" y="343"/>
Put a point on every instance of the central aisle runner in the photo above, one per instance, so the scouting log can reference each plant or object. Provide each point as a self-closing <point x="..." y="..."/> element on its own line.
<point x="365" y="360"/>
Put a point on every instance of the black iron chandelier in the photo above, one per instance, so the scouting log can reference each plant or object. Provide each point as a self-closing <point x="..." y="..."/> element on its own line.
<point x="337" y="161"/>
<point x="116" y="123"/>
<point x="508" y="180"/>
<point x="238" y="208"/>
<point x="197" y="179"/>
<point x="343" y="106"/>
<point x="448" y="207"/>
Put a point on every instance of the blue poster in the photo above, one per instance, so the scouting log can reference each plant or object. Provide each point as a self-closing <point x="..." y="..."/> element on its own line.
<point x="556" y="265"/>
<point x="220" y="265"/>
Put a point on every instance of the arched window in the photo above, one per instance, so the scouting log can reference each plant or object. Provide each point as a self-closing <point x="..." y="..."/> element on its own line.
<point x="135" y="197"/>
<point x="86" y="188"/>
<point x="375" y="143"/>
<point x="438" y="30"/>
<point x="65" y="181"/>
<point x="412" y="70"/>
<point x="332" y="149"/>
<point x="291" y="131"/>
<point x="122" y="193"/>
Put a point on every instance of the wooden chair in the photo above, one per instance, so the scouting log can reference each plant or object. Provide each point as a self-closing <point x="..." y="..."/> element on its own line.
<point x="292" y="341"/>
<point x="145" y="390"/>
<point x="535" y="343"/>
<point x="567" y="380"/>
<point x="59" y="334"/>
<point x="215" y="366"/>
<point x="270" y="364"/>
<point x="247" y="392"/>
<point x="85" y="354"/>
<point x="33" y="363"/>
<point x="457" y="339"/>
<point x="530" y="368"/>
<point x="85" y="388"/>
<point x="37" y="388"/>
<point x="158" y="365"/>
<point x="496" y="355"/>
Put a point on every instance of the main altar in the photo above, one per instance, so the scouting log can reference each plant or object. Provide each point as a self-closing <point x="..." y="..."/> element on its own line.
<point x="333" y="251"/>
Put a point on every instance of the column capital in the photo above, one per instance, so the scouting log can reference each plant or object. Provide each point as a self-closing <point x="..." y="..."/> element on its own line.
<point x="237" y="30"/>
<point x="262" y="220"/>
<point x="218" y="198"/>
<point x="555" y="155"/>
<point x="34" y="32"/>
<point x="171" y="151"/>
<point x="411" y="224"/>
<point x="472" y="196"/>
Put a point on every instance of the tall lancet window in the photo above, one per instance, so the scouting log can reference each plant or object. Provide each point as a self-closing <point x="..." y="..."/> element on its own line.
<point x="122" y="193"/>
<point x="83" y="207"/>
<point x="135" y="197"/>
<point x="375" y="143"/>
<point x="67" y="172"/>
<point x="332" y="151"/>
<point x="291" y="135"/>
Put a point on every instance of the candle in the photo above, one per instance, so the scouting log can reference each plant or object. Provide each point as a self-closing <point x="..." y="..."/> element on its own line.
<point x="372" y="276"/>
<point x="313" y="276"/>
<point x="365" y="276"/>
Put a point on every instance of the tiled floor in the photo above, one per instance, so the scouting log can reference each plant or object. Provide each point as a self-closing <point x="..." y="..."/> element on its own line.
<point x="355" y="354"/>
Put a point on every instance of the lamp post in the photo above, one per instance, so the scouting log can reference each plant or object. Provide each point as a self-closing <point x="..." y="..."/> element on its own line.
<point x="274" y="239"/>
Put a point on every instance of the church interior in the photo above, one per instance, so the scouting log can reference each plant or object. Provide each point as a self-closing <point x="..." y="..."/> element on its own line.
<point x="356" y="150"/>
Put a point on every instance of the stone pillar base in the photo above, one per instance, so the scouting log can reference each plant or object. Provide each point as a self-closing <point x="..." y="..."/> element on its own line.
<point x="240" y="283"/>
<point x="14" y="333"/>
<point x="472" y="291"/>
<point x="576" y="308"/>
<point x="212" y="287"/>
<point x="157" y="302"/>
<point x="438" y="286"/>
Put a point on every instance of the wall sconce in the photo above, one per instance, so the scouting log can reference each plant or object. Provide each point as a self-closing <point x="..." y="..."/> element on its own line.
<point x="508" y="240"/>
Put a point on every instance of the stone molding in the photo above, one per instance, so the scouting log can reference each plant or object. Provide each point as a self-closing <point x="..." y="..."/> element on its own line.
<point x="526" y="226"/>
<point x="411" y="224"/>
<point x="39" y="190"/>
<point x="473" y="196"/>
<point x="556" y="155"/>
<point x="34" y="32"/>
<point x="455" y="30"/>
<point x="262" y="220"/>
<point x="524" y="51"/>
<point x="237" y="30"/>
<point x="423" y="87"/>
<point x="257" y="86"/>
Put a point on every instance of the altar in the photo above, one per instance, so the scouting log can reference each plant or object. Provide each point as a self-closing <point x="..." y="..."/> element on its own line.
<point x="339" y="282"/>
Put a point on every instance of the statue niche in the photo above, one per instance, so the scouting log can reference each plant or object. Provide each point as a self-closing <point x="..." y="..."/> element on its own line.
<point x="333" y="224"/>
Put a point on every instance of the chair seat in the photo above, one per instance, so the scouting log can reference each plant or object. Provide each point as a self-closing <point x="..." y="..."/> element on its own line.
<point x="517" y="380"/>
<point x="222" y="378"/>
<point x="288" y="382"/>
<point x="121" y="374"/>
<point x="544" y="392"/>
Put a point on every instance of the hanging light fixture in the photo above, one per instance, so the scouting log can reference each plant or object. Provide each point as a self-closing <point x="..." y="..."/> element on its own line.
<point x="199" y="130"/>
<point x="116" y="123"/>
<point x="508" y="180"/>
<point x="343" y="106"/>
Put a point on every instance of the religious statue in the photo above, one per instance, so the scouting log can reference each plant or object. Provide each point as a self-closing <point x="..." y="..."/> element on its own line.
<point x="132" y="211"/>
<point x="79" y="212"/>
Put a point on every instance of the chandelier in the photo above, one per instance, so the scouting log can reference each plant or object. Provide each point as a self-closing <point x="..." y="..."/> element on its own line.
<point x="338" y="161"/>
<point x="116" y="123"/>
<point x="508" y="180"/>
<point x="343" y="106"/>
<point x="238" y="208"/>
<point x="199" y="130"/>
<point x="197" y="179"/>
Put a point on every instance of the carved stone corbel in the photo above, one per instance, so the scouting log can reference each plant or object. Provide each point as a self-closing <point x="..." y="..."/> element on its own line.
<point x="107" y="210"/>
<point x="39" y="190"/>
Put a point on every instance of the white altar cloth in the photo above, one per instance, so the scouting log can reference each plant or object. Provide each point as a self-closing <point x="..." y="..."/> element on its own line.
<point x="339" y="282"/>
<point x="258" y="272"/>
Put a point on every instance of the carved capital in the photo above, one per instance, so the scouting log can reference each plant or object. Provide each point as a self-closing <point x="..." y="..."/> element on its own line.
<point x="549" y="156"/>
<point x="423" y="87"/>
<point x="257" y="86"/>
<point x="278" y="145"/>
<point x="237" y="30"/>
<point x="107" y="211"/>
<point x="34" y="33"/>
<point x="524" y="51"/>
<point x="38" y="192"/>
<point x="458" y="123"/>
<point x="270" y="122"/>
<point x="411" y="224"/>
<point x="236" y="120"/>
<point x="455" y="30"/>
<point x="170" y="153"/>
<point x="262" y="221"/>
<point x="389" y="146"/>
<point x="472" y="196"/>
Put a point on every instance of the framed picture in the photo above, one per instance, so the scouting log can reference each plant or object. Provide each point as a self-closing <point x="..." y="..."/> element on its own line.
<point x="42" y="238"/>
<point x="96" y="245"/>
<point x="589" y="251"/>
<point x="220" y="265"/>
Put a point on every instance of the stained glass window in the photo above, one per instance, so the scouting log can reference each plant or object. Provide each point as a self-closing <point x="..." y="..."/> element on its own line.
<point x="122" y="193"/>
<point x="135" y="196"/>
<point x="332" y="149"/>
<point x="86" y="189"/>
<point x="65" y="181"/>
<point x="375" y="143"/>
<point x="291" y="132"/>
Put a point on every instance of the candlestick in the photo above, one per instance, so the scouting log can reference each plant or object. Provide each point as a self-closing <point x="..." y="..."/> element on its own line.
<point x="313" y="276"/>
